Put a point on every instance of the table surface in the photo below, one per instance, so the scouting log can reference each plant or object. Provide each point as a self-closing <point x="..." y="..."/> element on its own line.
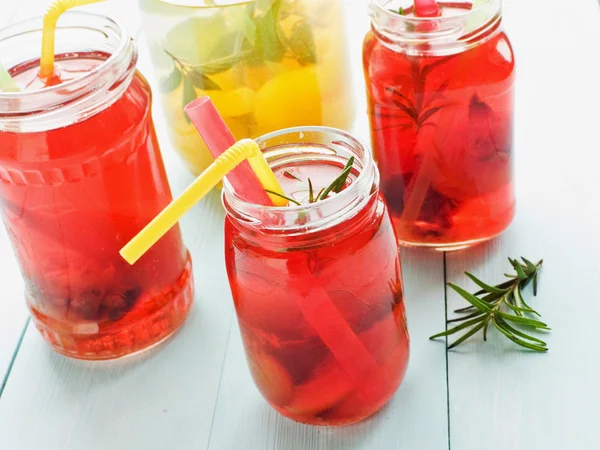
<point x="195" y="391"/>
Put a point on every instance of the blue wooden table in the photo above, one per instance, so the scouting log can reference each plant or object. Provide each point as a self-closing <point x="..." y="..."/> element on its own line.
<point x="195" y="391"/>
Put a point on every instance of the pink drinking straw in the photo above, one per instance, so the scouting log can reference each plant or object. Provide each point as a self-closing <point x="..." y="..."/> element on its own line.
<point x="426" y="8"/>
<point x="317" y="308"/>
<point x="218" y="138"/>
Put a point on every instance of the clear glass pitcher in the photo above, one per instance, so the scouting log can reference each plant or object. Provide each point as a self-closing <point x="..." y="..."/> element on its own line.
<point x="266" y="65"/>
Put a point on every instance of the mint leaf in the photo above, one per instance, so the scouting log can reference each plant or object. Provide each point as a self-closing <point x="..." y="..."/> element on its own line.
<point x="302" y="43"/>
<point x="201" y="81"/>
<point x="268" y="45"/>
<point x="170" y="82"/>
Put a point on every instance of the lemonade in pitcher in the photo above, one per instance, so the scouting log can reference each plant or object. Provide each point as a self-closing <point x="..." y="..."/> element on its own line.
<point x="265" y="64"/>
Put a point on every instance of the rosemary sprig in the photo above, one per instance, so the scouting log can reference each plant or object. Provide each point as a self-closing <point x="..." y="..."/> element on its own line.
<point x="291" y="175"/>
<point x="289" y="199"/>
<point x="399" y="11"/>
<point x="311" y="197"/>
<point x="500" y="306"/>
<point x="336" y="185"/>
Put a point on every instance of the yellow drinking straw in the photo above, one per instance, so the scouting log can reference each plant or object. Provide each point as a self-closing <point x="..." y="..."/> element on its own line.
<point x="50" y="20"/>
<point x="229" y="160"/>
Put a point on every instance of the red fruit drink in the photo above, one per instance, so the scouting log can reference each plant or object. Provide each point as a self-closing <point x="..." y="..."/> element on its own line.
<point x="310" y="282"/>
<point x="79" y="178"/>
<point x="440" y="95"/>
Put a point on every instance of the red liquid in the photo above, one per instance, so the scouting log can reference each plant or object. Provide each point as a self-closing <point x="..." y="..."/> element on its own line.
<point x="71" y="198"/>
<point x="442" y="136"/>
<point x="354" y="267"/>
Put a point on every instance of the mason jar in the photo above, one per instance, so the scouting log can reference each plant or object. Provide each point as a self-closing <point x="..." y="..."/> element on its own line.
<point x="440" y="96"/>
<point x="81" y="174"/>
<point x="318" y="287"/>
<point x="265" y="64"/>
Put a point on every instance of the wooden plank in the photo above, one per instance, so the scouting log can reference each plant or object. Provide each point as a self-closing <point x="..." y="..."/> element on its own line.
<point x="13" y="312"/>
<point x="163" y="399"/>
<point x="502" y="397"/>
<point x="415" y="418"/>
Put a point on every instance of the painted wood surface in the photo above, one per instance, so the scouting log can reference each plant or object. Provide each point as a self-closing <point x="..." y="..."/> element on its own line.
<point x="13" y="312"/>
<point x="195" y="391"/>
<point x="502" y="397"/>
<point x="415" y="418"/>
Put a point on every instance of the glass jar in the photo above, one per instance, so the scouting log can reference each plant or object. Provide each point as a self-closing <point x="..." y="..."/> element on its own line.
<point x="80" y="174"/>
<point x="265" y="64"/>
<point x="440" y="94"/>
<point x="317" y="287"/>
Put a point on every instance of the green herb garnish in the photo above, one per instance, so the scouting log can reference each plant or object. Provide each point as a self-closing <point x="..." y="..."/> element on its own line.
<point x="302" y="43"/>
<point x="196" y="75"/>
<point x="336" y="185"/>
<point x="289" y="199"/>
<point x="498" y="305"/>
<point x="401" y="11"/>
<point x="291" y="175"/>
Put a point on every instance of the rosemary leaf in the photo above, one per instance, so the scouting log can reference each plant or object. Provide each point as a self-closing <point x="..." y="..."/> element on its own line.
<point x="471" y="298"/>
<point x="524" y="321"/>
<point x="522" y="343"/>
<point x="486" y="287"/>
<point x="291" y="175"/>
<point x="289" y="199"/>
<point x="466" y="336"/>
<point x="529" y="264"/>
<point x="470" y="316"/>
<point x="516" y="332"/>
<point x="320" y="192"/>
<point x="486" y="324"/>
<point x="521" y="311"/>
<point x="456" y="329"/>
<point x="343" y="176"/>
<point x="520" y="271"/>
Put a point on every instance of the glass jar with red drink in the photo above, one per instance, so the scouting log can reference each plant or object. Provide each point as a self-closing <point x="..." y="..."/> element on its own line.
<point x="80" y="174"/>
<point x="317" y="286"/>
<point x="440" y="94"/>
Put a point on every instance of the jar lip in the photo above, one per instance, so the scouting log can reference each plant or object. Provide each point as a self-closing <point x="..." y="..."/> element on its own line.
<point x="390" y="14"/>
<point x="5" y="33"/>
<point x="435" y="36"/>
<point x="230" y="196"/>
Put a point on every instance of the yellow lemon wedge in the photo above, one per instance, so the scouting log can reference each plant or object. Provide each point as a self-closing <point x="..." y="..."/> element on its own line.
<point x="290" y="99"/>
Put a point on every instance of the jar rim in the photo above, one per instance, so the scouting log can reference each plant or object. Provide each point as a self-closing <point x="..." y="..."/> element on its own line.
<point x="440" y="35"/>
<point x="347" y="200"/>
<point x="77" y="99"/>
<point x="88" y="75"/>
<point x="381" y="7"/>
